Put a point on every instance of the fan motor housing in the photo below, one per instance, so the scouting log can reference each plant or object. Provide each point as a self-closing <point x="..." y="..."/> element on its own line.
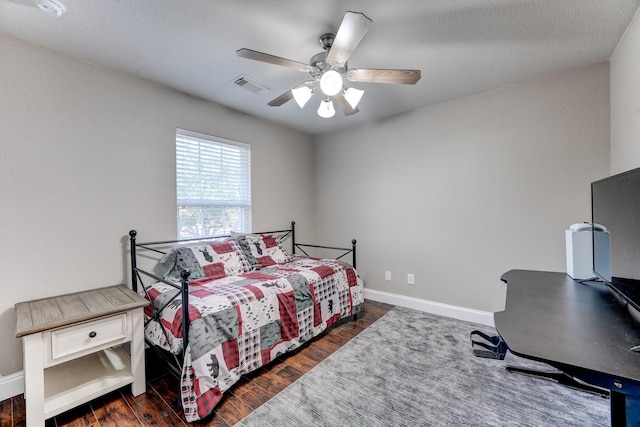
<point x="320" y="66"/>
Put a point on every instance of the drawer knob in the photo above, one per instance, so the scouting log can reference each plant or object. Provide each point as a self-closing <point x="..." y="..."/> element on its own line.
<point x="92" y="334"/>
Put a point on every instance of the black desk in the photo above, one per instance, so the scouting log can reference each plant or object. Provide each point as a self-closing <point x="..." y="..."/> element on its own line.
<point x="578" y="329"/>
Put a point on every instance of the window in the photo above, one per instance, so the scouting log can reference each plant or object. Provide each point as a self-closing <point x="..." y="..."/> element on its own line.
<point x="213" y="183"/>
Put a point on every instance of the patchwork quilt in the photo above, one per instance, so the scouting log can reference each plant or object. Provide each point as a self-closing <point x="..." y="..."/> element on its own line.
<point x="241" y="322"/>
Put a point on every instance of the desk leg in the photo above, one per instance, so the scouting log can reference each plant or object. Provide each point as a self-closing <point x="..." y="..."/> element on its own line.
<point x="625" y="409"/>
<point x="33" y="361"/>
<point x="137" y="353"/>
<point x="561" y="378"/>
<point x="618" y="410"/>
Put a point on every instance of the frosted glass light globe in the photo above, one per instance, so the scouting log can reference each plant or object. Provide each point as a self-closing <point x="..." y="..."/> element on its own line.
<point x="302" y="95"/>
<point x="326" y="109"/>
<point x="353" y="96"/>
<point x="331" y="83"/>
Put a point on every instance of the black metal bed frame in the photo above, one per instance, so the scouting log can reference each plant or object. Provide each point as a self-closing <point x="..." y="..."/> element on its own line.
<point x="173" y="361"/>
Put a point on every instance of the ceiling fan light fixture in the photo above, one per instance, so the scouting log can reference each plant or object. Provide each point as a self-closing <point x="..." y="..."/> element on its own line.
<point x="353" y="96"/>
<point x="302" y="95"/>
<point x="331" y="83"/>
<point x="329" y="68"/>
<point x="326" y="110"/>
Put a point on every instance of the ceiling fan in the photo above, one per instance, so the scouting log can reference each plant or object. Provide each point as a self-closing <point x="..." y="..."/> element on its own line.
<point x="328" y="68"/>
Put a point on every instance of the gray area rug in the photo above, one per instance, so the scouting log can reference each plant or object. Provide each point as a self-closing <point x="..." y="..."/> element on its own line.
<point x="411" y="368"/>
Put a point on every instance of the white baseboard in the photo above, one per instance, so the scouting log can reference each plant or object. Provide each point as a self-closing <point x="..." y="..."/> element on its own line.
<point x="11" y="385"/>
<point x="460" y="313"/>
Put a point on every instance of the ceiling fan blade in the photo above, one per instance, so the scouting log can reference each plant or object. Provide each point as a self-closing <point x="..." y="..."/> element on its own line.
<point x="344" y="105"/>
<point x="285" y="97"/>
<point x="271" y="59"/>
<point x="352" y="29"/>
<point x="288" y="95"/>
<point x="407" y="77"/>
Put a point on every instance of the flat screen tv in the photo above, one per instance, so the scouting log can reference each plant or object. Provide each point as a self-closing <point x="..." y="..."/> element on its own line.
<point x="615" y="204"/>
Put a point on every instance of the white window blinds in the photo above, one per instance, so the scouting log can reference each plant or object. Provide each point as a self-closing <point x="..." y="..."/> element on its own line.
<point x="213" y="180"/>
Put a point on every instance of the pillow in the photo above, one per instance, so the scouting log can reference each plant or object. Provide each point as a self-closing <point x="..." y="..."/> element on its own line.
<point x="222" y="259"/>
<point x="176" y="260"/>
<point x="246" y="250"/>
<point x="208" y="261"/>
<point x="265" y="249"/>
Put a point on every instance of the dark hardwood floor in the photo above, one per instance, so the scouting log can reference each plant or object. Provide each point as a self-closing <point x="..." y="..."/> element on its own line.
<point x="160" y="405"/>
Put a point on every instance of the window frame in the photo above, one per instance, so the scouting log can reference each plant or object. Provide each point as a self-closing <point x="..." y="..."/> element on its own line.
<point x="196" y="141"/>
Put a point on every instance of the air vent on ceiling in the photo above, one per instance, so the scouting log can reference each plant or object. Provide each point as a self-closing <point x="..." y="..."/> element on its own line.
<point x="251" y="84"/>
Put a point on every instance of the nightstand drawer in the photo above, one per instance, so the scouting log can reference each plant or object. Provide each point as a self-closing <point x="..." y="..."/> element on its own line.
<point x="84" y="337"/>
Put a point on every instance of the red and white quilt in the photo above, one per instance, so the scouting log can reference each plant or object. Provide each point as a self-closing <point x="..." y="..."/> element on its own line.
<point x="242" y="322"/>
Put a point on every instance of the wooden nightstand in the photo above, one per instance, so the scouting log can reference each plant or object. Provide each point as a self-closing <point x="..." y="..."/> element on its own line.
<point x="72" y="348"/>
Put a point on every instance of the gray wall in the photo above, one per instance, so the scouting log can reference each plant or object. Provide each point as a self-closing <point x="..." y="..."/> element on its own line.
<point x="456" y="194"/>
<point x="87" y="153"/>
<point x="625" y="101"/>
<point x="461" y="192"/>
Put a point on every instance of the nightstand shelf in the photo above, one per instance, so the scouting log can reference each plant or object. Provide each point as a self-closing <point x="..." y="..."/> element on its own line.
<point x="73" y="348"/>
<point x="69" y="384"/>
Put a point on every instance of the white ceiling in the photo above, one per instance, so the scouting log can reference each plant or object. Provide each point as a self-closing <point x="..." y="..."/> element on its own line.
<point x="462" y="47"/>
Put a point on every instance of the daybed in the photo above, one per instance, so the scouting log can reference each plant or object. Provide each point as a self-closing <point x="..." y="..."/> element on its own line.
<point x="224" y="308"/>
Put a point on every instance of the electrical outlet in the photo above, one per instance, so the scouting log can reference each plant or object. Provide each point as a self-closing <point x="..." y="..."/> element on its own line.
<point x="410" y="279"/>
<point x="387" y="275"/>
